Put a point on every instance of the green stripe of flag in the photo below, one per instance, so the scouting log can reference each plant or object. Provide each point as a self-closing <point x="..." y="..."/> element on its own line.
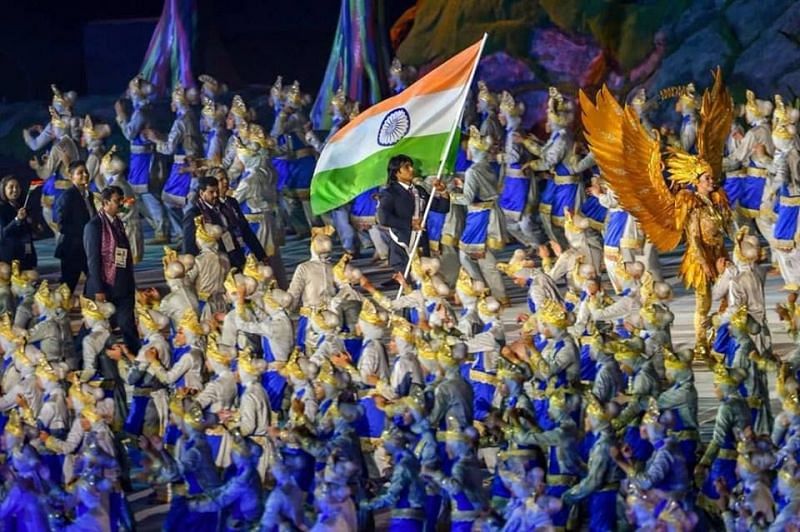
<point x="333" y="188"/>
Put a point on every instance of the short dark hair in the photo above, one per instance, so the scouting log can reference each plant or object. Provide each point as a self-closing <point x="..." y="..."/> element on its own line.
<point x="109" y="192"/>
<point x="207" y="181"/>
<point x="74" y="165"/>
<point x="395" y="163"/>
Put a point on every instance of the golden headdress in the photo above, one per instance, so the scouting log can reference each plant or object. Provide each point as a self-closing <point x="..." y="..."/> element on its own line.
<point x="238" y="107"/>
<point x="90" y="309"/>
<point x="485" y="95"/>
<point x="60" y="99"/>
<point x="327" y="375"/>
<point x="402" y="329"/>
<point x="45" y="371"/>
<point x="91" y="131"/>
<point x="229" y="283"/>
<point x="179" y="96"/>
<point x="724" y="376"/>
<point x="489" y="306"/>
<point x="553" y="313"/>
<point x="56" y="119"/>
<point x="170" y="256"/>
<point x="292" y="368"/>
<point x="639" y="98"/>
<point x="213" y="352"/>
<point x="65" y="296"/>
<point x="249" y="364"/>
<point x="293" y="95"/>
<point x="739" y="318"/>
<point x="340" y="266"/>
<point x="190" y="323"/>
<point x="630" y="159"/>
<point x="509" y="106"/>
<point x="7" y="326"/>
<point x="14" y="424"/>
<point x="276" y="91"/>
<point x="595" y="409"/>
<point x="211" y="85"/>
<point x="108" y="156"/>
<point x="675" y="362"/>
<point x="201" y="233"/>
<point x="370" y="314"/>
<point x="652" y="413"/>
<point x="43" y="297"/>
<point x="145" y="319"/>
<point x="256" y="136"/>
<point x="560" y="111"/>
<point x="339" y="100"/>
<point x="478" y="141"/>
<point x="251" y="268"/>
<point x="465" y="286"/>
<point x="751" y="106"/>
<point x="784" y="119"/>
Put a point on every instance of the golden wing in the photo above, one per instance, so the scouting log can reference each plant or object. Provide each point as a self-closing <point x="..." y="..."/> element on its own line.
<point x="630" y="161"/>
<point x="716" y="115"/>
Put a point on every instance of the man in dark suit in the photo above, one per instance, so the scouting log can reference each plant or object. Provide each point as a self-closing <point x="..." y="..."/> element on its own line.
<point x="401" y="208"/>
<point x="72" y="211"/>
<point x="110" y="264"/>
<point x="226" y="214"/>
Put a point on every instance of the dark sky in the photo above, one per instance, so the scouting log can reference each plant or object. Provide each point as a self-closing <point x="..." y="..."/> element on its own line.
<point x="89" y="45"/>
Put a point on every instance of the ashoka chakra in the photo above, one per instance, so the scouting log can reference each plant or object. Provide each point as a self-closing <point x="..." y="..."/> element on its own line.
<point x="394" y="127"/>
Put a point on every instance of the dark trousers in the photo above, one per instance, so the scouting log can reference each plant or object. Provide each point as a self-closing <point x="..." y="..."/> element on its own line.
<point x="123" y="318"/>
<point x="71" y="269"/>
<point x="398" y="258"/>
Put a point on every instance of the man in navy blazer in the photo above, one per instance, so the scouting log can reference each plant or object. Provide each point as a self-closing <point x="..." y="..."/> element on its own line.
<point x="110" y="264"/>
<point x="401" y="208"/>
<point x="72" y="211"/>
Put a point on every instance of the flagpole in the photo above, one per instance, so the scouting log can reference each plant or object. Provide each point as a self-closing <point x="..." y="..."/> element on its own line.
<point x="416" y="235"/>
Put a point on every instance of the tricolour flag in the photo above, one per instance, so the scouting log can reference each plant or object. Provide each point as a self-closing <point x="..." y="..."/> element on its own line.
<point x="417" y="122"/>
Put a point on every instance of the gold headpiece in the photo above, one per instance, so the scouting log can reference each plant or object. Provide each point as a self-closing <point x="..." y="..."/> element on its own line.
<point x="596" y="410"/>
<point x="170" y="256"/>
<point x="553" y="313"/>
<point x="739" y="318"/>
<point x="45" y="371"/>
<point x="209" y="108"/>
<point x="6" y="326"/>
<point x="651" y="415"/>
<point x="59" y="100"/>
<point x="230" y="282"/>
<point x="624" y="353"/>
<point x="256" y="135"/>
<point x="211" y="84"/>
<point x="508" y="105"/>
<point x="90" y="309"/>
<point x="276" y="91"/>
<point x="640" y="98"/>
<point x="77" y="393"/>
<point x="485" y="95"/>
<point x="14" y="424"/>
<point x="201" y="233"/>
<point x="648" y="313"/>
<point x="723" y="377"/>
<point x="488" y="306"/>
<point x="238" y="107"/>
<point x="326" y="375"/>
<point x="339" y="268"/>
<point x="402" y="329"/>
<point x="686" y="169"/>
<point x="293" y="95"/>
<point x="146" y="320"/>
<point x="108" y="156"/>
<point x="43" y="297"/>
<point x="214" y="353"/>
<point x="179" y="96"/>
<point x="783" y="120"/>
<point x="65" y="294"/>
<point x="247" y="363"/>
<point x="56" y="119"/>
<point x="559" y="110"/>
<point x="339" y="100"/>
<point x="88" y="128"/>
<point x="292" y="367"/>
<point x="251" y="268"/>
<point x="190" y="323"/>
<point x="751" y="107"/>
<point x="478" y="141"/>
<point x="674" y="362"/>
<point x="510" y="268"/>
<point x="369" y="313"/>
<point x="465" y="286"/>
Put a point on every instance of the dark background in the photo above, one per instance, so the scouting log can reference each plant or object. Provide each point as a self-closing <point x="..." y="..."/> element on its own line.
<point x="95" y="46"/>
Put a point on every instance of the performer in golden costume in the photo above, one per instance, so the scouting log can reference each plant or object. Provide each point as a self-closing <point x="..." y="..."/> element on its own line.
<point x="692" y="206"/>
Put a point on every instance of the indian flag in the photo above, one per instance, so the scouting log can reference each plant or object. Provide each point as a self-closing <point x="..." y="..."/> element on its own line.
<point x="419" y="122"/>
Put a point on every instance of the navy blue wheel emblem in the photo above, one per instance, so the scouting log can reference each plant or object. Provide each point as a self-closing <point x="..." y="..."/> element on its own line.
<point x="394" y="127"/>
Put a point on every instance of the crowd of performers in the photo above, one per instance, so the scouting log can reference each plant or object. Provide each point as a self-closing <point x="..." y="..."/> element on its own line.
<point x="315" y="401"/>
